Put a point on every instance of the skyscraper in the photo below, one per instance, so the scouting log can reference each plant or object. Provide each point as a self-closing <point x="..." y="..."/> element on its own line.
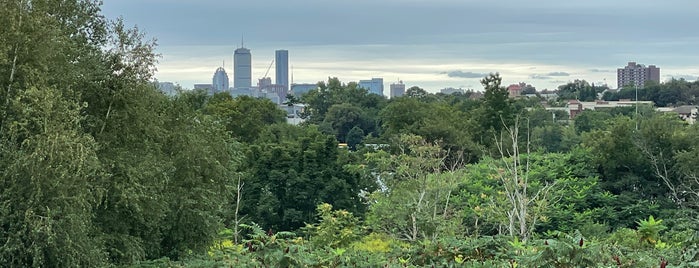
<point x="375" y="85"/>
<point x="281" y="58"/>
<point x="220" y="81"/>
<point x="242" y="68"/>
<point x="397" y="90"/>
<point x="636" y="75"/>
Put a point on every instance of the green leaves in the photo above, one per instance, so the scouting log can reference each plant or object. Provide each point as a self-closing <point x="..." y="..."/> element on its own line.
<point x="498" y="109"/>
<point x="290" y="170"/>
<point x="50" y="185"/>
<point x="649" y="230"/>
<point x="244" y="117"/>
<point x="336" y="228"/>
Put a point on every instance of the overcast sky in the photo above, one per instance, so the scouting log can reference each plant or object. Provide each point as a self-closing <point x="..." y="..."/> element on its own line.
<point x="428" y="43"/>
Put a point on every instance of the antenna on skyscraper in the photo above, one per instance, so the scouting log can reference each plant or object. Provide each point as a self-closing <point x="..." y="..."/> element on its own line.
<point x="242" y="40"/>
<point x="292" y="74"/>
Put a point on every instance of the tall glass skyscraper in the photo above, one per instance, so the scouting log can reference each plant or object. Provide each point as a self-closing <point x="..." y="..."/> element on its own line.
<point x="242" y="68"/>
<point x="375" y="85"/>
<point x="220" y="81"/>
<point x="281" y="57"/>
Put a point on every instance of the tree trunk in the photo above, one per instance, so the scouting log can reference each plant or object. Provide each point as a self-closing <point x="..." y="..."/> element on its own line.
<point x="236" y="232"/>
<point x="14" y="64"/>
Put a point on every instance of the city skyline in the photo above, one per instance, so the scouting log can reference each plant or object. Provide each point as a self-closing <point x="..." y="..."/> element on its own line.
<point x="541" y="42"/>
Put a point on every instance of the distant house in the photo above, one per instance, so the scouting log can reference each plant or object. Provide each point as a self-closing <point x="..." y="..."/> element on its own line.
<point x="687" y="113"/>
<point x="514" y="90"/>
<point x="574" y="108"/>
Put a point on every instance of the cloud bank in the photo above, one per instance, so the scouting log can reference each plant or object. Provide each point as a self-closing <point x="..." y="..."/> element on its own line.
<point x="462" y="74"/>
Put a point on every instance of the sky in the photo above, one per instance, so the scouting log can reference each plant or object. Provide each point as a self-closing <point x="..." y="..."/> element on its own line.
<point x="432" y="44"/>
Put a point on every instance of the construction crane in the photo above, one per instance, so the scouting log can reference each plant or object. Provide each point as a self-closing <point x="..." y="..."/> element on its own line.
<point x="268" y="68"/>
<point x="260" y="82"/>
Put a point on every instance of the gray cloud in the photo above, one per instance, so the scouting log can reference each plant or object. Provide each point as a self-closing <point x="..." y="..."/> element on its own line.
<point x="538" y="76"/>
<point x="463" y="74"/>
<point x="553" y="33"/>
<point x="558" y="74"/>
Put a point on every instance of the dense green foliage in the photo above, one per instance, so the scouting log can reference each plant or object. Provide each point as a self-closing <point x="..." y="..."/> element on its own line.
<point x="98" y="168"/>
<point x="671" y="93"/>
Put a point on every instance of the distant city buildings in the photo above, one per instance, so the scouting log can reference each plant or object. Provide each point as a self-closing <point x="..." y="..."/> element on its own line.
<point x="637" y="74"/>
<point x="203" y="86"/>
<point x="245" y="91"/>
<point x="276" y="93"/>
<point x="300" y="89"/>
<point x="219" y="83"/>
<point x="375" y="85"/>
<point x="451" y="90"/>
<point x="281" y="59"/>
<point x="263" y="82"/>
<point x="167" y="88"/>
<point x="242" y="85"/>
<point x="397" y="90"/>
<point x="242" y="68"/>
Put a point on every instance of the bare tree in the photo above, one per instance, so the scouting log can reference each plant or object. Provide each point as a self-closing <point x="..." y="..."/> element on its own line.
<point x="659" y="163"/>
<point x="236" y="218"/>
<point x="415" y="204"/>
<point x="525" y="205"/>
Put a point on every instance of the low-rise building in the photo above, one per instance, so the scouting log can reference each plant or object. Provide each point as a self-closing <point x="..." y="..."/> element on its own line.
<point x="575" y="107"/>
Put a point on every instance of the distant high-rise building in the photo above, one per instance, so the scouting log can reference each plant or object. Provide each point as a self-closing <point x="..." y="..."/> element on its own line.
<point x="219" y="82"/>
<point x="636" y="75"/>
<point x="397" y="90"/>
<point x="281" y="59"/>
<point x="242" y="68"/>
<point x="375" y="85"/>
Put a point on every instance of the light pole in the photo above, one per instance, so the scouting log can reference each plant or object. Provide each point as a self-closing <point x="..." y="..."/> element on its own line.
<point x="636" y="85"/>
